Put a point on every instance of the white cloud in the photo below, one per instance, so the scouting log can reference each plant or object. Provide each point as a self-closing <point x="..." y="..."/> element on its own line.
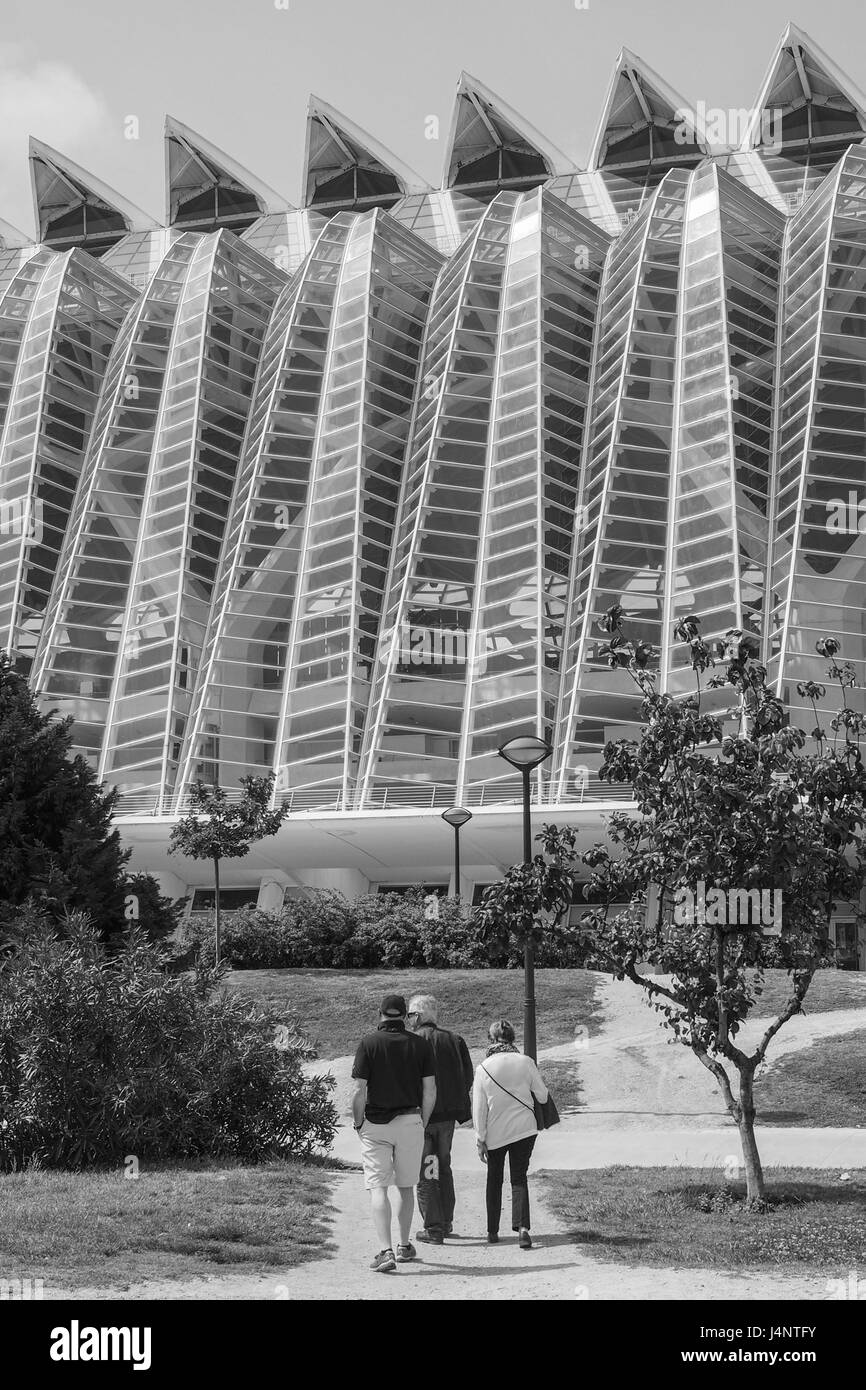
<point x="48" y="100"/>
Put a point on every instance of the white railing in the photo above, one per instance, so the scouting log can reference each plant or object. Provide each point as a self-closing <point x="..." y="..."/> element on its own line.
<point x="430" y="796"/>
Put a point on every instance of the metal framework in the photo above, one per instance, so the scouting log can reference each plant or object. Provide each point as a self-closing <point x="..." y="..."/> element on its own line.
<point x="341" y="490"/>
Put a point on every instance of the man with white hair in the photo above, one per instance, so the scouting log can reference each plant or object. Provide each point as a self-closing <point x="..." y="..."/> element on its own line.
<point x="454" y="1078"/>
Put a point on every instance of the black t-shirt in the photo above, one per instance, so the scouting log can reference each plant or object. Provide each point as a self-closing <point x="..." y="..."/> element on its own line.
<point x="393" y="1063"/>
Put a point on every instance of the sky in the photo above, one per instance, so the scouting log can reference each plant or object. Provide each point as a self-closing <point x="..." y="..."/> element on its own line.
<point x="240" y="72"/>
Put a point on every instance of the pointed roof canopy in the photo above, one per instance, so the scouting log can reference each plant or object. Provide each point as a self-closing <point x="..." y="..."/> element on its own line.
<point x="645" y="123"/>
<point x="492" y="146"/>
<point x="75" y="209"/>
<point x="207" y="189"/>
<point x="808" y="94"/>
<point x="345" y="168"/>
<point x="11" y="237"/>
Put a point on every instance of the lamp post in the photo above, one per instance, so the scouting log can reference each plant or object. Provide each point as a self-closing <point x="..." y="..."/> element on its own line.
<point x="456" y="816"/>
<point x="525" y="753"/>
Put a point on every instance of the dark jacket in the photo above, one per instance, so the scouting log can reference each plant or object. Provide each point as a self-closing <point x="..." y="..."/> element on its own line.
<point x="454" y="1074"/>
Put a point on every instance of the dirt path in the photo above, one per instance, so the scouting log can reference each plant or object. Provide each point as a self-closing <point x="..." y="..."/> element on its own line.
<point x="557" y="1269"/>
<point x="631" y="1074"/>
<point x="644" y="1101"/>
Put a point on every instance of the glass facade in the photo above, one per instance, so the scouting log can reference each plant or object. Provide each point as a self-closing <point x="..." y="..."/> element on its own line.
<point x="341" y="491"/>
<point x="58" y="321"/>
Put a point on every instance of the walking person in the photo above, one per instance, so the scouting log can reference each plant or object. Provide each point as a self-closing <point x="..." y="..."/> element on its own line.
<point x="504" y="1118"/>
<point x="395" y="1092"/>
<point x="453" y="1107"/>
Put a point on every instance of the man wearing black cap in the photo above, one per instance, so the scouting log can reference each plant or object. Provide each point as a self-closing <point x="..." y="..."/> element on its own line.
<point x="395" y="1092"/>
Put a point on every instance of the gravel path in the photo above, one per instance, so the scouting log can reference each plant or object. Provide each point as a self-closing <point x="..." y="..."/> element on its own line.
<point x="558" y="1268"/>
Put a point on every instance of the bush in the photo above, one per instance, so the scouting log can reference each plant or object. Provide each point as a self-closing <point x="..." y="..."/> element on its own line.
<point x="317" y="931"/>
<point x="379" y="930"/>
<point x="387" y="931"/>
<point x="454" y="941"/>
<point x="104" y="1056"/>
<point x="307" y="933"/>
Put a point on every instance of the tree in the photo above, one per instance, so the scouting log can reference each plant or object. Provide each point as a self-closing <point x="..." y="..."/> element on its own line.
<point x="529" y="901"/>
<point x="145" y="907"/>
<point x="218" y="829"/>
<point x="57" y="844"/>
<point x="723" y="819"/>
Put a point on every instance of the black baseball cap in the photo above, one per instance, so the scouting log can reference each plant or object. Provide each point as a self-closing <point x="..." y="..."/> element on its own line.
<point x="393" y="1006"/>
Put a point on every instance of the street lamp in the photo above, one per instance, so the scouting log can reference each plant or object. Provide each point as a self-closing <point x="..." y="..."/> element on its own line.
<point x="525" y="753"/>
<point x="456" y="816"/>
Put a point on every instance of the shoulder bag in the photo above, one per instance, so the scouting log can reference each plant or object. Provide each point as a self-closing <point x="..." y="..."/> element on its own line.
<point x="545" y="1112"/>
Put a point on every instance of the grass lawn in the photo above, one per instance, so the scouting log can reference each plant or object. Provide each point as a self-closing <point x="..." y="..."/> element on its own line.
<point x="829" y="990"/>
<point x="101" y="1229"/>
<point x="690" y="1219"/>
<point x="335" y="1007"/>
<point x="824" y="1084"/>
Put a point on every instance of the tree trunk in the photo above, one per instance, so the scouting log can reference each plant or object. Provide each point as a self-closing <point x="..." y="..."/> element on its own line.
<point x="755" y="1187"/>
<point x="742" y="1112"/>
<point x="217" y="936"/>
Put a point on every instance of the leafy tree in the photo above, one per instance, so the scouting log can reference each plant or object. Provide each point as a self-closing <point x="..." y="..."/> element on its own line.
<point x="529" y="901"/>
<point x="57" y="843"/>
<point x="751" y="811"/>
<point x="524" y="908"/>
<point x="220" y="829"/>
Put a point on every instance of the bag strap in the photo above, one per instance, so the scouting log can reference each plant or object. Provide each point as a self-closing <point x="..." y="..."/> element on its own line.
<point x="507" y="1092"/>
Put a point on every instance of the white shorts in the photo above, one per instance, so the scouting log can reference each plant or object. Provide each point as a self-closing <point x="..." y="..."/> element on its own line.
<point x="392" y="1152"/>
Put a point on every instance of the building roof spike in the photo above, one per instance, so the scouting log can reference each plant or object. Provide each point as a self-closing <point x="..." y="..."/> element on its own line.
<point x="73" y="208"/>
<point x="205" y="188"/>
<point x="345" y="167"/>
<point x="639" y="102"/>
<point x="801" y="75"/>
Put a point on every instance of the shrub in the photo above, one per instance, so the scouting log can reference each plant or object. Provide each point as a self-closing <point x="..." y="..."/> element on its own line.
<point x="378" y="930"/>
<point x="387" y="930"/>
<point x="104" y="1056"/>
<point x="250" y="939"/>
<point x="452" y="941"/>
<point x="306" y="934"/>
<point x="318" y="929"/>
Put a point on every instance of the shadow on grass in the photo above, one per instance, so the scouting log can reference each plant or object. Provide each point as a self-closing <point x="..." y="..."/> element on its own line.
<point x="782" y="1117"/>
<point x="586" y="1237"/>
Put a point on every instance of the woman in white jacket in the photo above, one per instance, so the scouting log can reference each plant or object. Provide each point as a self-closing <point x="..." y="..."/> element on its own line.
<point x="504" y="1119"/>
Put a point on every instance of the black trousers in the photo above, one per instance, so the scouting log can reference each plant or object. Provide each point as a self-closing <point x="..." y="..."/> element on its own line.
<point x="436" y="1183"/>
<point x="519" y="1155"/>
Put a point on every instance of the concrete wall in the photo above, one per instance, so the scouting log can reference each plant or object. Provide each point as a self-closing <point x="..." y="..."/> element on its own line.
<point x="350" y="882"/>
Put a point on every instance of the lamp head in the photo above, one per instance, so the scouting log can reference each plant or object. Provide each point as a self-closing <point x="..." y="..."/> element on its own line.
<point x="524" y="752"/>
<point x="456" y="816"/>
